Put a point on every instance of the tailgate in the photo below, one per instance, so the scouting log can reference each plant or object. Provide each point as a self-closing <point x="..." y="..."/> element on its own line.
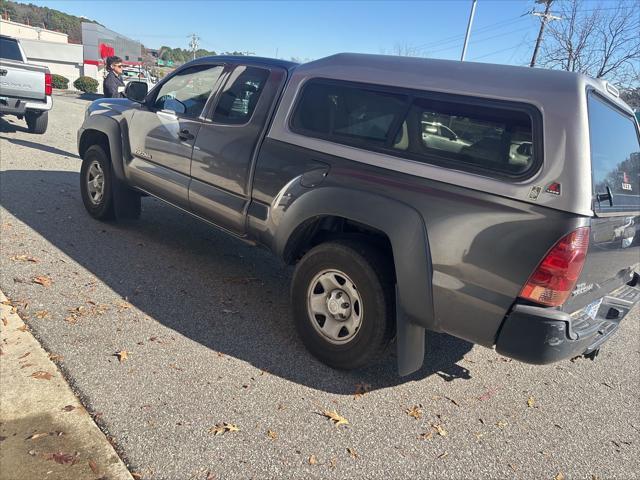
<point x="21" y="80"/>
<point x="614" y="247"/>
<point x="613" y="256"/>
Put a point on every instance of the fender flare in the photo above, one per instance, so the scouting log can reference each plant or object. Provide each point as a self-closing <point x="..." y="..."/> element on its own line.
<point x="407" y="233"/>
<point x="111" y="128"/>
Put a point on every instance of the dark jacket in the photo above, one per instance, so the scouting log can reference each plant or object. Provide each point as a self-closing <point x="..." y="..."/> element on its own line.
<point x="110" y="86"/>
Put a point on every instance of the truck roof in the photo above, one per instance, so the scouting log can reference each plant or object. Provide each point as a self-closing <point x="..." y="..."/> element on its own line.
<point x="453" y="76"/>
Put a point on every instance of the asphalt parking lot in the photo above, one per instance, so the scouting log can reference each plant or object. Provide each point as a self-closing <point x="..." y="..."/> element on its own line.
<point x="206" y="324"/>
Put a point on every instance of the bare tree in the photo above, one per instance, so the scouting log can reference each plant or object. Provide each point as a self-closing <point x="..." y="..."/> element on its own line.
<point x="602" y="42"/>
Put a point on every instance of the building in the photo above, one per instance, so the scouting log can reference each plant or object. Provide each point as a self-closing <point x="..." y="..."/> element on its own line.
<point x="99" y="43"/>
<point x="20" y="30"/>
<point x="48" y="48"/>
<point x="61" y="58"/>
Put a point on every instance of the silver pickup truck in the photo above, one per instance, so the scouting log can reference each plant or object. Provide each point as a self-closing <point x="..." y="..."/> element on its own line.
<point x="25" y="89"/>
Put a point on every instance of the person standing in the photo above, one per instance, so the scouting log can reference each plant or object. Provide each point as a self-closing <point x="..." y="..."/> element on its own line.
<point x="113" y="80"/>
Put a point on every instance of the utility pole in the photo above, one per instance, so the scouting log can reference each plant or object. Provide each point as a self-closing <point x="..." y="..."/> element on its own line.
<point x="193" y="43"/>
<point x="546" y="16"/>
<point x="466" y="37"/>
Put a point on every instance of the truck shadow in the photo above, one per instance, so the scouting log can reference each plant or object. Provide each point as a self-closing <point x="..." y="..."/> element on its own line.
<point x="209" y="287"/>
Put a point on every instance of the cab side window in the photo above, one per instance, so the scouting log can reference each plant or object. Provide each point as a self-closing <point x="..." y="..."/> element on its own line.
<point x="187" y="92"/>
<point x="240" y="95"/>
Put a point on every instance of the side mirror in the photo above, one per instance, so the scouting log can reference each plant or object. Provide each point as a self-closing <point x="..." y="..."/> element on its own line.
<point x="136" y="91"/>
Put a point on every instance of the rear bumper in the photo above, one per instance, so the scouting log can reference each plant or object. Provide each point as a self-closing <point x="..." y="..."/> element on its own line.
<point x="541" y="335"/>
<point x="16" y="106"/>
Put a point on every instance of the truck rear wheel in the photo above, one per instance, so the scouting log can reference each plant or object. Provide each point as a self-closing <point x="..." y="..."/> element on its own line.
<point x="343" y="298"/>
<point x="104" y="196"/>
<point x="37" y="121"/>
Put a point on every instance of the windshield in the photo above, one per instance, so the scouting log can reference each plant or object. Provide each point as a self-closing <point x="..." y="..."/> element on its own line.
<point x="9" y="49"/>
<point x="615" y="156"/>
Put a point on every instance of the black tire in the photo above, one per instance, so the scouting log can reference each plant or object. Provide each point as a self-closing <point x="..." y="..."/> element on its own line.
<point x="118" y="201"/>
<point x="371" y="272"/>
<point x="37" y="122"/>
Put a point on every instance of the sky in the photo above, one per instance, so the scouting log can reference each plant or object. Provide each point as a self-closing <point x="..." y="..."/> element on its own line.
<point x="502" y="32"/>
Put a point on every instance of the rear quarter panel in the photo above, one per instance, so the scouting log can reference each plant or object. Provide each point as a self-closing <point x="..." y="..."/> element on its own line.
<point x="483" y="247"/>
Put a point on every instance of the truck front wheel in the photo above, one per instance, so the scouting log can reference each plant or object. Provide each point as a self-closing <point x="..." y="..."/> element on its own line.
<point x="104" y="196"/>
<point x="343" y="298"/>
<point x="37" y="121"/>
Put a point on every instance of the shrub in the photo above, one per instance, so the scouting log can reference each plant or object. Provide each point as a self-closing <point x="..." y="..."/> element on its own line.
<point x="58" y="81"/>
<point x="86" y="84"/>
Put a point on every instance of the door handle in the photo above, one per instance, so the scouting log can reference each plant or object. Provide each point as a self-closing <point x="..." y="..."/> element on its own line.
<point x="185" y="135"/>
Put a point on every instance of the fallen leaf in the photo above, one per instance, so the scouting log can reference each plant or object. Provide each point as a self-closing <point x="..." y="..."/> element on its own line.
<point x="512" y="467"/>
<point x="43" y="280"/>
<point x="93" y="466"/>
<point x="61" y="458"/>
<point x="24" y="258"/>
<point x="24" y="356"/>
<point x="441" y="431"/>
<point x="443" y="454"/>
<point x="230" y="427"/>
<point x="41" y="375"/>
<point x="123" y="305"/>
<point x="27" y="365"/>
<point x="530" y="402"/>
<point x="23" y="328"/>
<point x="68" y="408"/>
<point x="122" y="355"/>
<point x="426" y="435"/>
<point x="313" y="460"/>
<point x="271" y="434"/>
<point x="501" y="424"/>
<point x="210" y="476"/>
<point x="414" y="412"/>
<point x="335" y="417"/>
<point x="42" y="314"/>
<point x="4" y="321"/>
<point x="54" y="357"/>
<point x="352" y="452"/>
<point x="219" y="429"/>
<point x="35" y="436"/>
<point x="559" y="476"/>
<point x="332" y="463"/>
<point x="136" y="475"/>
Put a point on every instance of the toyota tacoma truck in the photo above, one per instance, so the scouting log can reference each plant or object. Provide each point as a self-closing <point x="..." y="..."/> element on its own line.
<point x="25" y="89"/>
<point x="393" y="235"/>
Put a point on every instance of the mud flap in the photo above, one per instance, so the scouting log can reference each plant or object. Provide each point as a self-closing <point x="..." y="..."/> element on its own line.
<point x="410" y="343"/>
<point x="126" y="202"/>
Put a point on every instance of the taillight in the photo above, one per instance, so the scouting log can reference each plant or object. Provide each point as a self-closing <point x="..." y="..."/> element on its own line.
<point x="48" y="89"/>
<point x="556" y="276"/>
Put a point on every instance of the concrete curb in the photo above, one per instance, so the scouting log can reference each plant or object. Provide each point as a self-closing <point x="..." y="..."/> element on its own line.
<point x="45" y="432"/>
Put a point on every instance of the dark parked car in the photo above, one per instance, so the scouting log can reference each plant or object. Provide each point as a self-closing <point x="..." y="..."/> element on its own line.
<point x="326" y="165"/>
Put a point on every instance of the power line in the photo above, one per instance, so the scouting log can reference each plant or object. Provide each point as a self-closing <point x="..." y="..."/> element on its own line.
<point x="458" y="38"/>
<point x="477" y="41"/>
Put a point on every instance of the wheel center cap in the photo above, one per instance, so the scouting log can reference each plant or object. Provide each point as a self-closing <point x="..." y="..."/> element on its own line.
<point x="339" y="305"/>
<point x="333" y="307"/>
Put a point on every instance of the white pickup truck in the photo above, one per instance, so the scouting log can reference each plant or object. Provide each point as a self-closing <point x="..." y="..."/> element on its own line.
<point x="25" y="89"/>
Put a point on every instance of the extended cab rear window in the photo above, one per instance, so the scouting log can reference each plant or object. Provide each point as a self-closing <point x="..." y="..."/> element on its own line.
<point x="9" y="49"/>
<point x="485" y="136"/>
<point x="615" y="157"/>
